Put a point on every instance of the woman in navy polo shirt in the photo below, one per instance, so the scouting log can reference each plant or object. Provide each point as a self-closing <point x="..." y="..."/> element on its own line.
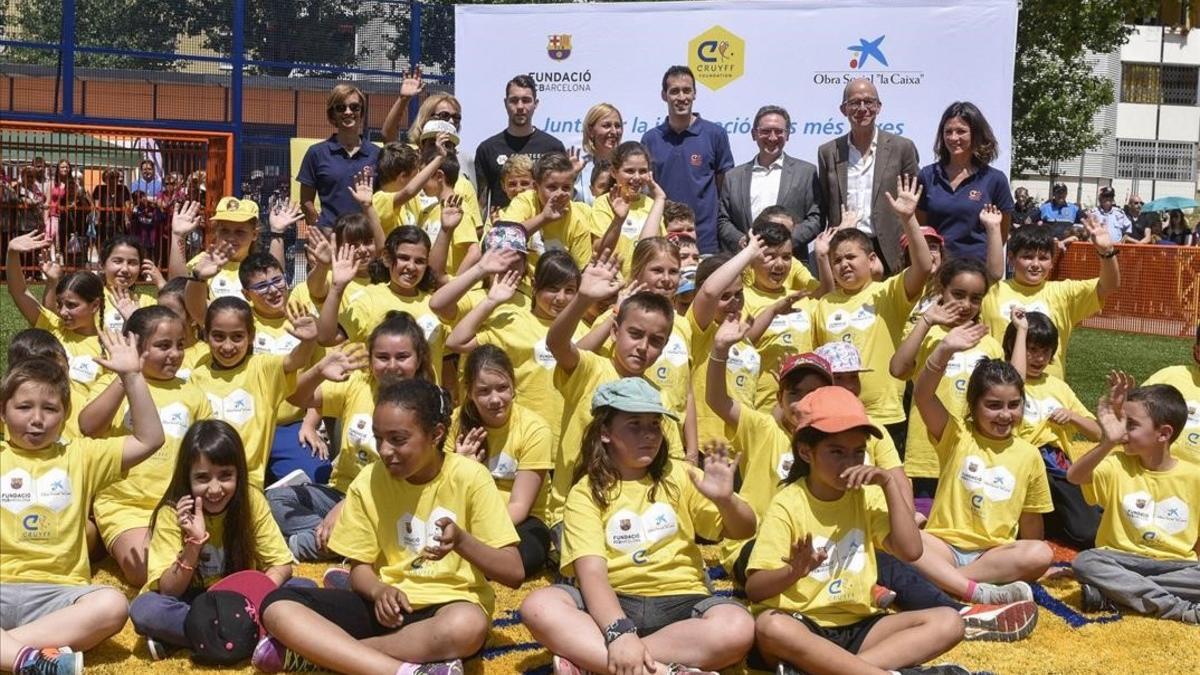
<point x="328" y="169"/>
<point x="962" y="182"/>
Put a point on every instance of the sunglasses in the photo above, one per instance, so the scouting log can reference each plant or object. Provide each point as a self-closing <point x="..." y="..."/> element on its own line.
<point x="1136" y="203"/>
<point x="343" y="107"/>
<point x="448" y="117"/>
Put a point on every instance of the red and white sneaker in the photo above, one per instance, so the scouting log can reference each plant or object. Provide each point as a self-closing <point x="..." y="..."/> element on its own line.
<point x="1000" y="623"/>
<point x="565" y="667"/>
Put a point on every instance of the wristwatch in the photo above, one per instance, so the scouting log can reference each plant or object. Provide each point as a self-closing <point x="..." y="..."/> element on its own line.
<point x="277" y="235"/>
<point x="195" y="276"/>
<point x="622" y="626"/>
<point x="1111" y="254"/>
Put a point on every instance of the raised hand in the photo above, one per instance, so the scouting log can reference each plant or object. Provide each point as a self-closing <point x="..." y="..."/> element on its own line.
<point x="319" y="247"/>
<point x="732" y="330"/>
<point x="990" y="217"/>
<point x="444" y="144"/>
<point x="962" y="338"/>
<point x="51" y="264"/>
<point x="286" y="214"/>
<point x="1019" y="318"/>
<point x="1110" y="414"/>
<point x="821" y="243"/>
<point x="302" y="323"/>
<point x="601" y="278"/>
<point x="849" y="219"/>
<point x="337" y="365"/>
<point x="361" y="190"/>
<point x="557" y="206"/>
<point x="189" y="512"/>
<point x="124" y="302"/>
<point x="939" y="314"/>
<point x="452" y="212"/>
<point x="412" y="84"/>
<point x="504" y="286"/>
<point x="787" y="304"/>
<point x="720" y="465"/>
<point x="120" y="353"/>
<point x="498" y="260"/>
<point x="151" y="273"/>
<point x="908" y="195"/>
<point x="576" y="157"/>
<point x="211" y="261"/>
<point x="186" y="218"/>
<point x="1098" y="231"/>
<point x="631" y="289"/>
<point x="803" y="558"/>
<point x="27" y="243"/>
<point x="864" y="474"/>
<point x="470" y="444"/>
<point x="345" y="265"/>
<point x="620" y="204"/>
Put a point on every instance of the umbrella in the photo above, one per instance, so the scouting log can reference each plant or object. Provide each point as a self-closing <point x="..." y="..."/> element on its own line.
<point x="1169" y="204"/>
<point x="82" y="150"/>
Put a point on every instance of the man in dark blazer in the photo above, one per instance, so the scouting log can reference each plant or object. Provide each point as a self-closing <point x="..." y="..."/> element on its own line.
<point x="771" y="178"/>
<point x="858" y="168"/>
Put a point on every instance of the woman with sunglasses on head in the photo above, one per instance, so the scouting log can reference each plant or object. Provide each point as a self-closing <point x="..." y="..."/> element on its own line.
<point x="329" y="168"/>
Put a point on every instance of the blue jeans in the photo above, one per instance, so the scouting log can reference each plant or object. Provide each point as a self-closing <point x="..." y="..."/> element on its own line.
<point x="162" y="617"/>
<point x="299" y="511"/>
<point x="287" y="455"/>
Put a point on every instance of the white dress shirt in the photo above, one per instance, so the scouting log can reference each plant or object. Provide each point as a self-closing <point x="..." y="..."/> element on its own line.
<point x="860" y="182"/>
<point x="764" y="185"/>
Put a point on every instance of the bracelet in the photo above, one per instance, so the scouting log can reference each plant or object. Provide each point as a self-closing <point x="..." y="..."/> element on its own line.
<point x="194" y="540"/>
<point x="936" y="369"/>
<point x="713" y="358"/>
<point x="1111" y="254"/>
<point x="183" y="565"/>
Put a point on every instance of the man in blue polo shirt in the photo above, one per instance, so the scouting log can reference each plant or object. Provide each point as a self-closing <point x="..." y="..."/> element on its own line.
<point x="690" y="155"/>
<point x="1060" y="215"/>
<point x="328" y="169"/>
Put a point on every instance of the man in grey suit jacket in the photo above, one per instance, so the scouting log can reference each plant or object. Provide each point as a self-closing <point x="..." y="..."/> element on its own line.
<point x="858" y="168"/>
<point x="771" y="178"/>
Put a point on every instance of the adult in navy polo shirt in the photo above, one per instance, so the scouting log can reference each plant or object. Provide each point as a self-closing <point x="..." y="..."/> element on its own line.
<point x="962" y="182"/>
<point x="690" y="155"/>
<point x="328" y="168"/>
<point x="1060" y="215"/>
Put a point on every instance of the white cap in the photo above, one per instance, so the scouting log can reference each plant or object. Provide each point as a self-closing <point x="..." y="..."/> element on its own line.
<point x="434" y="127"/>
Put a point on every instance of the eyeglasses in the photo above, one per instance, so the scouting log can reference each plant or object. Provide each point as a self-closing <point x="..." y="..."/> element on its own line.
<point x="264" y="286"/>
<point x="447" y="117"/>
<point x="862" y="103"/>
<point x="1136" y="203"/>
<point x="343" y="107"/>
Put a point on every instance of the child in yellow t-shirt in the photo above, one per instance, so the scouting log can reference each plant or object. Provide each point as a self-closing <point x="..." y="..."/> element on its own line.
<point x="123" y="263"/>
<point x="629" y="540"/>
<point x="521" y="332"/>
<point x="123" y="509"/>
<point x="209" y="523"/>
<point x="48" y="486"/>
<point x="813" y="567"/>
<point x="1149" y="536"/>
<point x="400" y="182"/>
<point x="552" y="220"/>
<point x="337" y="386"/>
<point x="512" y="442"/>
<point x="1031" y="251"/>
<point x="424" y="530"/>
<point x="632" y="209"/>
<point x="461" y="235"/>
<point x="1053" y="415"/>
<point x="985" y="527"/>
<point x="1186" y="379"/>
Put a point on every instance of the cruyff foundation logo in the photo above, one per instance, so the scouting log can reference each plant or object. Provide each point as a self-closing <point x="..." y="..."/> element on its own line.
<point x="717" y="57"/>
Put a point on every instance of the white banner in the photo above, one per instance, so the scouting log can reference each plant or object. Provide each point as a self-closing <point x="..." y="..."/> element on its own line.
<point x="921" y="54"/>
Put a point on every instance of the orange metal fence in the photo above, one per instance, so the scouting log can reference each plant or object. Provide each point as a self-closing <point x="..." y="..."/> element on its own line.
<point x="1159" y="293"/>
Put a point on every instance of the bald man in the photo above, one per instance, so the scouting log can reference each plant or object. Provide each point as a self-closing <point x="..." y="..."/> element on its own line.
<point x="856" y="169"/>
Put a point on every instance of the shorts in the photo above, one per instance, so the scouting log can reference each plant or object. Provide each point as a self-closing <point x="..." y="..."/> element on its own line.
<point x="24" y="603"/>
<point x="350" y="611"/>
<point x="652" y="614"/>
<point x="964" y="557"/>
<point x="849" y="638"/>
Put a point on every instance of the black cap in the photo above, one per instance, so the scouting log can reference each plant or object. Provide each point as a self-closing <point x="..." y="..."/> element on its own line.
<point x="221" y="628"/>
<point x="1059" y="187"/>
<point x="1108" y="192"/>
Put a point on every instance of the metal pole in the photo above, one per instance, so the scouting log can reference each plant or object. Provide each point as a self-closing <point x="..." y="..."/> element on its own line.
<point x="414" y="49"/>
<point x="238" y="58"/>
<point x="66" y="55"/>
<point x="1162" y="47"/>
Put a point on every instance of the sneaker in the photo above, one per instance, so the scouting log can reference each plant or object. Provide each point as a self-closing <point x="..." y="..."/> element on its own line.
<point x="1000" y="623"/>
<point x="944" y="669"/>
<point x="882" y="596"/>
<point x="270" y="656"/>
<point x="454" y="667"/>
<point x="336" y="577"/>
<point x="785" y="669"/>
<point x="158" y="649"/>
<point x="296" y="477"/>
<point x="565" y="667"/>
<point x="992" y="594"/>
<point x="680" y="669"/>
<point x="1093" y="600"/>
<point x="50" y="661"/>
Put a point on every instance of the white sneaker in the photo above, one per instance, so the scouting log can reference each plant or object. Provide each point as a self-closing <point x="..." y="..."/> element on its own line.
<point x="991" y="594"/>
<point x="293" y="479"/>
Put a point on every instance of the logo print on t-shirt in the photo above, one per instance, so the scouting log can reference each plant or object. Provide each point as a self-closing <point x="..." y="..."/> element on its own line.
<point x="1193" y="419"/>
<point x="628" y="531"/>
<point x="1169" y="515"/>
<point x="676" y="351"/>
<point x="1037" y="410"/>
<point x="175" y="421"/>
<point x="542" y="355"/>
<point x="415" y="533"/>
<point x="632" y="227"/>
<point x="847" y="554"/>
<point x="1035" y="306"/>
<point x="360" y="433"/>
<point x="797" y="321"/>
<point x="17" y="491"/>
<point x="962" y="364"/>
<point x="997" y="483"/>
<point x="860" y="319"/>
<point x="237" y="407"/>
<point x="83" y="369"/>
<point x="279" y="345"/>
<point x="503" y="466"/>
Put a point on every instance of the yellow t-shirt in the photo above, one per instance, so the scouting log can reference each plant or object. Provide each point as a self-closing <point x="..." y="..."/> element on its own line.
<point x="391" y="216"/>
<point x="366" y="308"/>
<point x="631" y="229"/>
<point x="46" y="495"/>
<point x="1147" y="513"/>
<point x="429" y="218"/>
<point x="838" y="591"/>
<point x="387" y="521"/>
<point x="873" y="320"/>
<point x="523" y="443"/>
<point x="920" y="459"/>
<point x="1065" y="302"/>
<point x="226" y="283"/>
<point x="742" y="370"/>
<point x="353" y="403"/>
<point x="576" y="388"/>
<point x="1187" y="380"/>
<point x="87" y="377"/>
<point x="522" y="335"/>
<point x="112" y="317"/>
<point x="1043" y="396"/>
<point x="788" y="334"/>
<point x="271" y="336"/>
<point x="191" y="356"/>
<point x="985" y="486"/>
<point x="649" y="545"/>
<point x="571" y="233"/>
<point x="128" y="503"/>
<point x="671" y="372"/>
<point x="270" y="550"/>
<point x="248" y="398"/>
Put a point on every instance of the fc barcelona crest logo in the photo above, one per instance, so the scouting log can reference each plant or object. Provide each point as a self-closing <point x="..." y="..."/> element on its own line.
<point x="16" y="483"/>
<point x="559" y="47"/>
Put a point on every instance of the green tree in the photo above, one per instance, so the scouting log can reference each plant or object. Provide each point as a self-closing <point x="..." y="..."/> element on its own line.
<point x="142" y="25"/>
<point x="1055" y="94"/>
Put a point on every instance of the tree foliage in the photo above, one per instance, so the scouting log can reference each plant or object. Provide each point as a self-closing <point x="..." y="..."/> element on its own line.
<point x="141" y="25"/>
<point x="1055" y="94"/>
